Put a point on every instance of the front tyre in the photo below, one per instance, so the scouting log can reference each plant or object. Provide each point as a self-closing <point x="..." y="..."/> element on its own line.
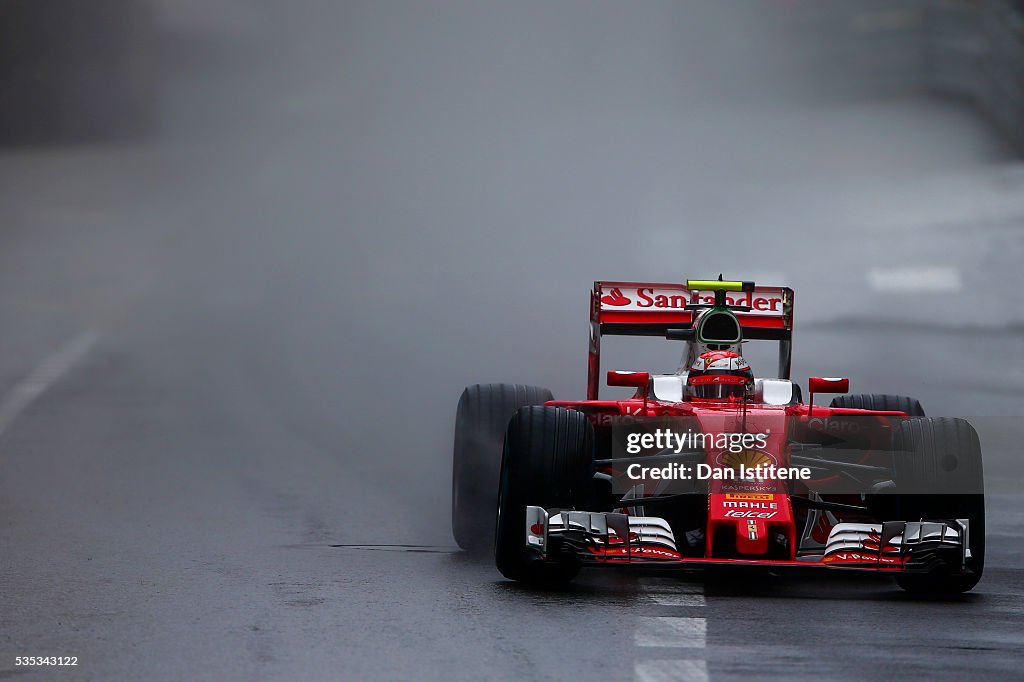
<point x="938" y="464"/>
<point x="548" y="462"/>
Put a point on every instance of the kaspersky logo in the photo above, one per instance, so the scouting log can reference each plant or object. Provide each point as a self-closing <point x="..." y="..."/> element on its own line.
<point x="615" y="298"/>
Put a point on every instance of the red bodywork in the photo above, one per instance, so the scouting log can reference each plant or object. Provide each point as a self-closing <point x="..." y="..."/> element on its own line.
<point x="751" y="512"/>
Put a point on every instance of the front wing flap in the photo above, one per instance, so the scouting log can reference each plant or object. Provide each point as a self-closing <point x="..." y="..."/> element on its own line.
<point x="919" y="546"/>
<point x="599" y="537"/>
<point x="614" y="538"/>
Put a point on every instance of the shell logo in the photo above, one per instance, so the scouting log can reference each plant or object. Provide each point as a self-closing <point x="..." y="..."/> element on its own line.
<point x="748" y="458"/>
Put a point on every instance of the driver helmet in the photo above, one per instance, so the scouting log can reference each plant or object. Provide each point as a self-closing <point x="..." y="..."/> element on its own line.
<point x="721" y="376"/>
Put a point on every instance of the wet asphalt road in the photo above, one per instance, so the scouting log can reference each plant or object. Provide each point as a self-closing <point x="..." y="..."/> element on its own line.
<point x="231" y="356"/>
<point x="160" y="530"/>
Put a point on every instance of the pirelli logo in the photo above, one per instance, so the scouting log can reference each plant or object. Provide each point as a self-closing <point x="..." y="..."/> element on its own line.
<point x="748" y="496"/>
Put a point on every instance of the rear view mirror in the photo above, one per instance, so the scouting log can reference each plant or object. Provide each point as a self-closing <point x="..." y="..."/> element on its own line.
<point x="635" y="379"/>
<point x="828" y="385"/>
<point x="639" y="380"/>
<point x="825" y="385"/>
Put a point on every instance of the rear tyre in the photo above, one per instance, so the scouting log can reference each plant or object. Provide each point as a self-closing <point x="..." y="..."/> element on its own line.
<point x="940" y="459"/>
<point x="880" y="401"/>
<point x="882" y="506"/>
<point x="548" y="462"/>
<point x="480" y="421"/>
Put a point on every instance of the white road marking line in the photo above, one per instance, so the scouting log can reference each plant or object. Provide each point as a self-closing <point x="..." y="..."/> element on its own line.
<point x="671" y="671"/>
<point x="925" y="279"/>
<point x="671" y="632"/>
<point x="672" y="585"/>
<point x="672" y="592"/>
<point x="670" y="599"/>
<point x="45" y="375"/>
<point x="666" y="631"/>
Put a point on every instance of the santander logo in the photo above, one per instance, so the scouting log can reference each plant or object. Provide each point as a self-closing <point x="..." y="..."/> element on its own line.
<point x="615" y="298"/>
<point x="657" y="298"/>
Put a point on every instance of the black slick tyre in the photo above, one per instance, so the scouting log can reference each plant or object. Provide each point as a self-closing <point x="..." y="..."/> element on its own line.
<point x="938" y="469"/>
<point x="480" y="420"/>
<point x="880" y="401"/>
<point x="548" y="462"/>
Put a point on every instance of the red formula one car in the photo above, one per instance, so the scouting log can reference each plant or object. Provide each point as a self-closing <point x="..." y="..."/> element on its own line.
<point x="711" y="465"/>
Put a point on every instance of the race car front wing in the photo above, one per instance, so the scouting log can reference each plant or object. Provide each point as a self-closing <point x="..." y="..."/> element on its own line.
<point x="605" y="538"/>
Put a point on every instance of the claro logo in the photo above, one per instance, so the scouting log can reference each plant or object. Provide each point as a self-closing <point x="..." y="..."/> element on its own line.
<point x="672" y="299"/>
<point x="834" y="425"/>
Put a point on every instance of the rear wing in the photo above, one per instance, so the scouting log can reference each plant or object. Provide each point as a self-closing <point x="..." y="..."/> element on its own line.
<point x="648" y="309"/>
